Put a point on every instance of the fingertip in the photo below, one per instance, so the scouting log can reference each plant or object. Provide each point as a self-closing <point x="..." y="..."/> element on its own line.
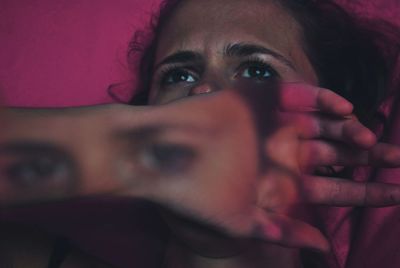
<point x="324" y="246"/>
<point x="334" y="103"/>
<point x="360" y="135"/>
<point x="367" y="139"/>
<point x="345" y="108"/>
<point x="392" y="157"/>
<point x="319" y="242"/>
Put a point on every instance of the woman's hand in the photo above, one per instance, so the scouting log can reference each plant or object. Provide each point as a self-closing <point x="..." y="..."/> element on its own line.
<point x="330" y="131"/>
<point x="230" y="187"/>
<point x="293" y="148"/>
<point x="199" y="157"/>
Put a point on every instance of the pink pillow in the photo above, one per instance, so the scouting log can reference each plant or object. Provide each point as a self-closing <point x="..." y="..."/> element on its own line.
<point x="66" y="53"/>
<point x="386" y="9"/>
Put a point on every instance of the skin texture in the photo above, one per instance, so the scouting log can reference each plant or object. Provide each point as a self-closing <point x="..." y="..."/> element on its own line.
<point x="209" y="27"/>
<point x="193" y="57"/>
<point x="234" y="196"/>
<point x="128" y="151"/>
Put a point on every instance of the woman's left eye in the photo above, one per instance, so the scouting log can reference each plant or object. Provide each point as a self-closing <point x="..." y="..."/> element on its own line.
<point x="256" y="70"/>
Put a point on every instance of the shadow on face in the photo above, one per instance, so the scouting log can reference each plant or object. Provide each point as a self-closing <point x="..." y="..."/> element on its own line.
<point x="211" y="45"/>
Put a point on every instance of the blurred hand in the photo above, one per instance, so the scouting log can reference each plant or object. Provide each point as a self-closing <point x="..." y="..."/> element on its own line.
<point x="199" y="157"/>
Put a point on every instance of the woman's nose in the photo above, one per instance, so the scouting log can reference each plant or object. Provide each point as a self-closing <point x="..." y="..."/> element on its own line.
<point x="206" y="87"/>
<point x="201" y="89"/>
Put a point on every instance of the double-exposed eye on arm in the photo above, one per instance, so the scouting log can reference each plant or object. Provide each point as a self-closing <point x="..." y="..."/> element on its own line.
<point x="38" y="166"/>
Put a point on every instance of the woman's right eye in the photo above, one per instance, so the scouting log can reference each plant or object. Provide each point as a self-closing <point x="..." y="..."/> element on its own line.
<point x="166" y="159"/>
<point x="177" y="76"/>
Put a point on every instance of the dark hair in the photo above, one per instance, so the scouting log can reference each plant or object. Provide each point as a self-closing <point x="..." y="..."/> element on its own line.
<point x="142" y="50"/>
<point x="355" y="57"/>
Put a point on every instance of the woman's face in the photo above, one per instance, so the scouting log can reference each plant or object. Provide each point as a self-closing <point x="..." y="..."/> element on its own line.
<point x="209" y="45"/>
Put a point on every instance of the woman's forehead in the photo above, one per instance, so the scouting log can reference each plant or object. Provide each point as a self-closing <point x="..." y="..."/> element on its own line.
<point x="218" y="20"/>
<point x="208" y="26"/>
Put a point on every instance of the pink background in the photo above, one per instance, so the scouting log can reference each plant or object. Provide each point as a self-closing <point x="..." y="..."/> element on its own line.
<point x="63" y="53"/>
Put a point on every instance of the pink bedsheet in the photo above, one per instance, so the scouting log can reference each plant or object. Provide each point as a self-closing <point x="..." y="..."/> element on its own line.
<point x="63" y="53"/>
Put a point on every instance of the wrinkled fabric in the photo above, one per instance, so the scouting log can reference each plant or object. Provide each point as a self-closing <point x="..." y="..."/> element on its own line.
<point x="368" y="238"/>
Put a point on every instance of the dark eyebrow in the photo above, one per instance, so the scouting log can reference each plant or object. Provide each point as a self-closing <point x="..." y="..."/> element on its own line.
<point x="246" y="50"/>
<point x="183" y="56"/>
<point x="31" y="147"/>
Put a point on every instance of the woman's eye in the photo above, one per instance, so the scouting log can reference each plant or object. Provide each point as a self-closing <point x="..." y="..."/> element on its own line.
<point x="37" y="171"/>
<point x="166" y="158"/>
<point x="178" y="76"/>
<point x="258" y="71"/>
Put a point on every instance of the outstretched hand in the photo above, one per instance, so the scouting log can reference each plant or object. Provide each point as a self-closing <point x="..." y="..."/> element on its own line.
<point x="229" y="188"/>
<point x="199" y="157"/>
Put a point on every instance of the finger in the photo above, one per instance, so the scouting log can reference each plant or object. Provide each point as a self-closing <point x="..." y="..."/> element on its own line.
<point x="303" y="97"/>
<point x="280" y="229"/>
<point x="338" y="192"/>
<point x="348" y="130"/>
<point x="343" y="129"/>
<point x="322" y="153"/>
